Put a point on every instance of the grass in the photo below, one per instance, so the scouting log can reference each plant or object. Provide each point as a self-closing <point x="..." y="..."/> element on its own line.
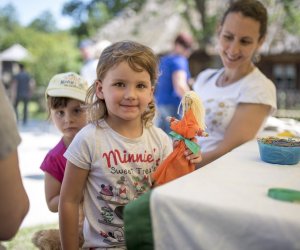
<point x="22" y="240"/>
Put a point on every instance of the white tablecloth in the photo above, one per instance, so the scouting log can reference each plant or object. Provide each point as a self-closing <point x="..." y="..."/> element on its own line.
<point x="225" y="206"/>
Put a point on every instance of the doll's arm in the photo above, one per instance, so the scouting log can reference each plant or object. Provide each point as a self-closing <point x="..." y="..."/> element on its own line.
<point x="171" y="119"/>
<point x="202" y="133"/>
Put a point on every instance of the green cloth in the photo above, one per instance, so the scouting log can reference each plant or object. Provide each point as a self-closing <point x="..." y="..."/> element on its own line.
<point x="194" y="147"/>
<point x="137" y="224"/>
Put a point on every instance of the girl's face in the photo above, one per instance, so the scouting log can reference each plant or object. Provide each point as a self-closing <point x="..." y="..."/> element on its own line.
<point x="70" y="119"/>
<point x="238" y="40"/>
<point x="126" y="93"/>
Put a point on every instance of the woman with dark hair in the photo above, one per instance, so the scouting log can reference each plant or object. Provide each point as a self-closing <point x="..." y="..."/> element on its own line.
<point x="238" y="97"/>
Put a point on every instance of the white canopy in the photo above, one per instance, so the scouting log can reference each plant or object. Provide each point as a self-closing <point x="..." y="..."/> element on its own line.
<point x="15" y="53"/>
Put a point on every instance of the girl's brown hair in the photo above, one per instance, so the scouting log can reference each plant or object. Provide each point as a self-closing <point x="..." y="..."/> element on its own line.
<point x="56" y="102"/>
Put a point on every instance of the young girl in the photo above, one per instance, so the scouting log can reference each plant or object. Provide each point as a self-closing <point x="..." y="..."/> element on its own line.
<point x="111" y="159"/>
<point x="65" y="96"/>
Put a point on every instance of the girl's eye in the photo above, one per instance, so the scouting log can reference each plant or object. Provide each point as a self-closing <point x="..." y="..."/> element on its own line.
<point x="228" y="38"/>
<point x="245" y="42"/>
<point x="119" y="84"/>
<point x="141" y="86"/>
<point x="59" y="113"/>
<point x="78" y="110"/>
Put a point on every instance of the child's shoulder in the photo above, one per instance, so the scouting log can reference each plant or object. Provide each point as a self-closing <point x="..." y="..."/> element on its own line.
<point x="87" y="131"/>
<point x="58" y="148"/>
<point x="55" y="153"/>
<point x="92" y="128"/>
<point x="157" y="131"/>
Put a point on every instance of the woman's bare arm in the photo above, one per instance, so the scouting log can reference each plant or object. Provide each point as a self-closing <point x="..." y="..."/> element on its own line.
<point x="245" y="124"/>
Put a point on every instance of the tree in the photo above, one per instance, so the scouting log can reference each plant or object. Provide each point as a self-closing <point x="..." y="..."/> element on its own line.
<point x="45" y="22"/>
<point x="205" y="32"/>
<point x="52" y="53"/>
<point x="90" y="16"/>
<point x="284" y="14"/>
<point x="290" y="15"/>
<point x="8" y="19"/>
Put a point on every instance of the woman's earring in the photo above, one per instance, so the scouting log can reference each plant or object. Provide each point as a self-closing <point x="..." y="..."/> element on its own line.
<point x="256" y="57"/>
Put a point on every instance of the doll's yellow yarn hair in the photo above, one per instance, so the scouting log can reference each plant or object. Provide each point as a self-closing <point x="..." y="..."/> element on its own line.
<point x="196" y="105"/>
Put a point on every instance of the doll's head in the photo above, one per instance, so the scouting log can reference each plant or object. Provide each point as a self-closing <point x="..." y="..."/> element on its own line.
<point x="191" y="100"/>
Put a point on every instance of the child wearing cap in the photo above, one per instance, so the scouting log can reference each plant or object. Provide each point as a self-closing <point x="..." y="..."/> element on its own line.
<point x="65" y="97"/>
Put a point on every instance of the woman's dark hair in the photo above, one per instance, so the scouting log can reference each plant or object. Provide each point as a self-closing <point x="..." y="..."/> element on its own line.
<point x="250" y="8"/>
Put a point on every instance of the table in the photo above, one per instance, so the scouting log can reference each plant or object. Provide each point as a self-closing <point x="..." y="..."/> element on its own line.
<point x="225" y="206"/>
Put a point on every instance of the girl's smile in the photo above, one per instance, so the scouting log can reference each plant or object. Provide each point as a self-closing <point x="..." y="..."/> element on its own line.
<point x="129" y="107"/>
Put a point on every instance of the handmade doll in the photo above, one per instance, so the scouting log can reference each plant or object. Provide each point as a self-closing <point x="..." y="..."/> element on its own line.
<point x="184" y="130"/>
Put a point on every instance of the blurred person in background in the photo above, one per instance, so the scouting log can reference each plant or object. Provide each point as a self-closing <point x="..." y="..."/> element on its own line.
<point x="90" y="53"/>
<point x="173" y="80"/>
<point x="23" y="86"/>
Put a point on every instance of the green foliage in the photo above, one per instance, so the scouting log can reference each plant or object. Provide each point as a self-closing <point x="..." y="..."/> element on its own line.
<point x="98" y="16"/>
<point x="204" y="32"/>
<point x="285" y="14"/>
<point x="292" y="16"/>
<point x="8" y="19"/>
<point x="45" y="23"/>
<point x="88" y="21"/>
<point x="51" y="53"/>
<point x="8" y="16"/>
<point x="92" y="15"/>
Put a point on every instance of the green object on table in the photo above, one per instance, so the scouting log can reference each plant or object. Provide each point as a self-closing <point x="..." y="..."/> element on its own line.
<point x="137" y="223"/>
<point x="284" y="194"/>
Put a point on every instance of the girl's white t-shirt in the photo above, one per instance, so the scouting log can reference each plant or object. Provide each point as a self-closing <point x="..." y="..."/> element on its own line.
<point x="119" y="171"/>
<point x="221" y="102"/>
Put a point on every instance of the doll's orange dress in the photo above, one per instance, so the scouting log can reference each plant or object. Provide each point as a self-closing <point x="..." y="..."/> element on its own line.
<point x="176" y="165"/>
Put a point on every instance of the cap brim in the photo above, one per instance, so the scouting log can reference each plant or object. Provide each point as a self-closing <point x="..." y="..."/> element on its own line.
<point x="70" y="93"/>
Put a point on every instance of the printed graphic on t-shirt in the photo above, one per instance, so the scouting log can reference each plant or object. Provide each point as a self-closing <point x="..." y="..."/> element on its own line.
<point x="216" y="112"/>
<point x="130" y="178"/>
<point x="115" y="237"/>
